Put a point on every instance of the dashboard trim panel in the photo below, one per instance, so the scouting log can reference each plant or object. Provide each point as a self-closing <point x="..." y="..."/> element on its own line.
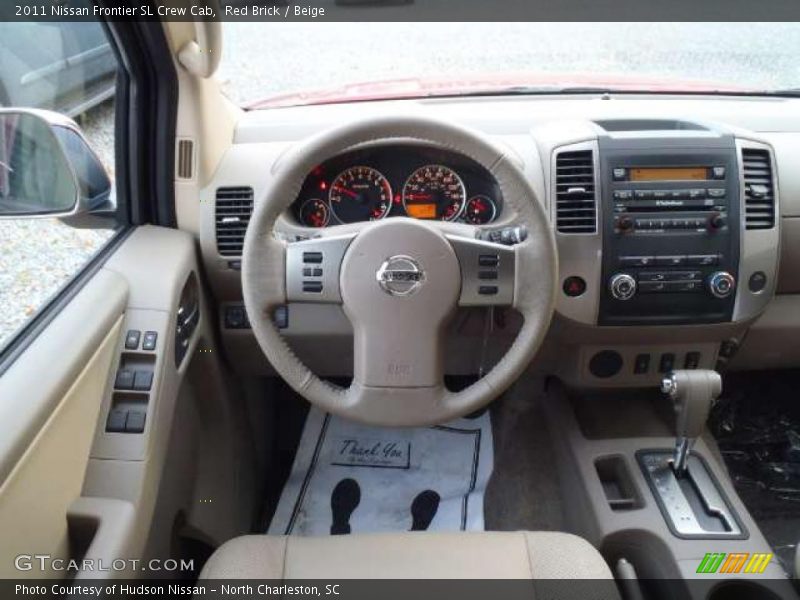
<point x="579" y="254"/>
<point x="759" y="248"/>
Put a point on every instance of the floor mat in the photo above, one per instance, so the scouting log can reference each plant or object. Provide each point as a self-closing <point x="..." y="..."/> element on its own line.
<point x="352" y="478"/>
<point x="757" y="426"/>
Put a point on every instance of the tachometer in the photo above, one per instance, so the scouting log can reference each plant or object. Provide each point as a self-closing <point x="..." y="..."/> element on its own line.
<point x="360" y="194"/>
<point x="314" y="213"/>
<point x="434" y="192"/>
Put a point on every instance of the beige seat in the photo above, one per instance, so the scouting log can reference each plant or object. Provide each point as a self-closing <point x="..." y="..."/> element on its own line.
<point x="489" y="555"/>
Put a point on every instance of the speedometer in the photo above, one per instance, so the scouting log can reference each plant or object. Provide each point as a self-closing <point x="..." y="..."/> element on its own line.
<point x="360" y="194"/>
<point x="434" y="192"/>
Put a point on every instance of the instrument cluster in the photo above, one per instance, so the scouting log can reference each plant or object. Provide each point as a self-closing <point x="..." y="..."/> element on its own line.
<point x="398" y="180"/>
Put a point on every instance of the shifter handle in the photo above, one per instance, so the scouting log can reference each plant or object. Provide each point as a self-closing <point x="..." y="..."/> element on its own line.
<point x="692" y="393"/>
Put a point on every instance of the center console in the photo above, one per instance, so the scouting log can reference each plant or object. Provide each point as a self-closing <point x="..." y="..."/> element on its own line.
<point x="671" y="228"/>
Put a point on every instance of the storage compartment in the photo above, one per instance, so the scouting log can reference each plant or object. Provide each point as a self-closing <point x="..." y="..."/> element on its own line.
<point x="620" y="491"/>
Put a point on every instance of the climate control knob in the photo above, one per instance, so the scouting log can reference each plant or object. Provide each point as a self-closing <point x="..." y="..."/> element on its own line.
<point x="721" y="284"/>
<point x="622" y="286"/>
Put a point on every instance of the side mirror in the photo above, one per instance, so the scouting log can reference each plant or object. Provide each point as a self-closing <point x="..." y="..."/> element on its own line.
<point x="48" y="169"/>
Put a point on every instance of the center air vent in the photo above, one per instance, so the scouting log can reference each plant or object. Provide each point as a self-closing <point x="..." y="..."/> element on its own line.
<point x="759" y="189"/>
<point x="233" y="209"/>
<point x="576" y="203"/>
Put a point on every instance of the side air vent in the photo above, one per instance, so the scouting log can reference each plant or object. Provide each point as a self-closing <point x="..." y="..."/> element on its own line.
<point x="759" y="189"/>
<point x="185" y="159"/>
<point x="576" y="202"/>
<point x="233" y="210"/>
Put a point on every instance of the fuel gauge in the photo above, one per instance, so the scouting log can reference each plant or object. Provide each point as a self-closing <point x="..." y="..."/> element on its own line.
<point x="480" y="210"/>
<point x="314" y="213"/>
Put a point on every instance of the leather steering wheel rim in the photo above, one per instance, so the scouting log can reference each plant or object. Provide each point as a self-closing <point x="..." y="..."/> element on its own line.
<point x="404" y="391"/>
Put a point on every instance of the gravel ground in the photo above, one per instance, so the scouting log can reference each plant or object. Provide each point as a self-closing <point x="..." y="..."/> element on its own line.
<point x="39" y="256"/>
<point x="261" y="59"/>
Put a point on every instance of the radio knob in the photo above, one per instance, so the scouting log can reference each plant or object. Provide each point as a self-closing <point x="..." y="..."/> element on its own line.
<point x="716" y="222"/>
<point x="622" y="286"/>
<point x="721" y="284"/>
<point x="625" y="224"/>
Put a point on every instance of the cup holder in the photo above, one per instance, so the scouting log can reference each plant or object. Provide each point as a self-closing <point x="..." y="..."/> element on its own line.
<point x="741" y="590"/>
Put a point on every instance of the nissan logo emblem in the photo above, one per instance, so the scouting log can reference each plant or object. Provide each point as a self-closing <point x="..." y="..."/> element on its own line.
<point x="400" y="276"/>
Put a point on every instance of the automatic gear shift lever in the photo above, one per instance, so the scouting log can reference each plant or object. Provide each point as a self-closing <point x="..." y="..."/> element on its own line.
<point x="684" y="486"/>
<point x="692" y="393"/>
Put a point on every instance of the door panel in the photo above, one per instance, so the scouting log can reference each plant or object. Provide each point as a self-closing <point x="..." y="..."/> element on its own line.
<point x="50" y="399"/>
<point x="77" y="482"/>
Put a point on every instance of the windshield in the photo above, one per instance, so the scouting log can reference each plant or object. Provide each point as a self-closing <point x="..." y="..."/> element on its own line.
<point x="335" y="60"/>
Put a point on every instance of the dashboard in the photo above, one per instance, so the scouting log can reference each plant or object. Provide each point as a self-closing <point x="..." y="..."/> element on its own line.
<point x="380" y="182"/>
<point x="676" y="219"/>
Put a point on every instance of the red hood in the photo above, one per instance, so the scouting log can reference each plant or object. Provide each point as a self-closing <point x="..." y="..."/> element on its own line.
<point x="393" y="89"/>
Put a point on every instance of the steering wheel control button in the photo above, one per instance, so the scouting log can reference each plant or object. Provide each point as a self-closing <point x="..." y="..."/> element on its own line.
<point x="487" y="274"/>
<point x="622" y="286"/>
<point x="574" y="286"/>
<point x="400" y="276"/>
<point x="757" y="282"/>
<point x="132" y="339"/>
<point x="667" y="362"/>
<point x="124" y="379"/>
<point x="312" y="257"/>
<point x="488" y="290"/>
<point x="642" y="364"/>
<point x="312" y="287"/>
<point x="488" y="260"/>
<point x="721" y="284"/>
<point x="605" y="364"/>
<point x="149" y="341"/>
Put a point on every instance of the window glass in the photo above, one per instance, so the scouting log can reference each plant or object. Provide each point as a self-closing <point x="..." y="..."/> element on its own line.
<point x="69" y="69"/>
<point x="284" y="63"/>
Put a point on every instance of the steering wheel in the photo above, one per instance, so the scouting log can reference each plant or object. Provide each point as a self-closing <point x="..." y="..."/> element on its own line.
<point x="399" y="281"/>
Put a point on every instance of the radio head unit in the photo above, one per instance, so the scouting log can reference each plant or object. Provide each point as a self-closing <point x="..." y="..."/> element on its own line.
<point x="671" y="225"/>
